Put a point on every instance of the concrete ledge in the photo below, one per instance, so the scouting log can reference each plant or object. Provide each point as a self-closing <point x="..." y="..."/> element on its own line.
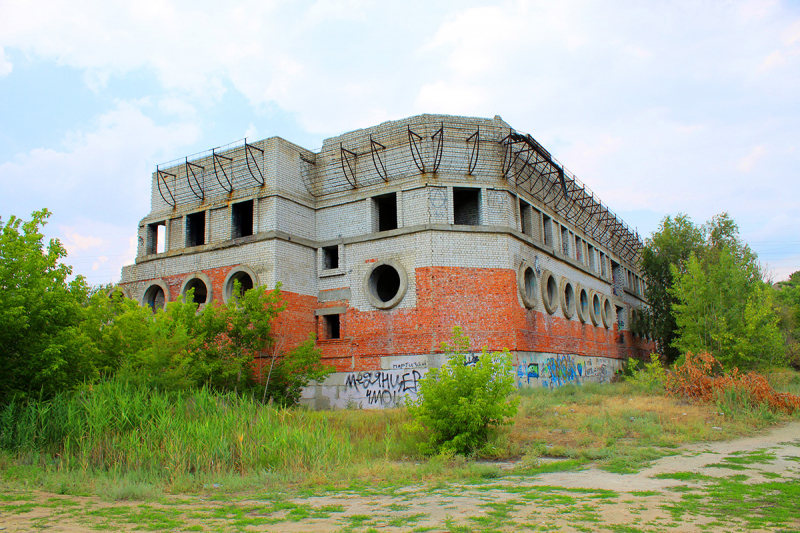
<point x="330" y="311"/>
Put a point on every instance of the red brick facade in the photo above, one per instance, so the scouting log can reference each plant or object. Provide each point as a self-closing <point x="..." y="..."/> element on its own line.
<point x="482" y="301"/>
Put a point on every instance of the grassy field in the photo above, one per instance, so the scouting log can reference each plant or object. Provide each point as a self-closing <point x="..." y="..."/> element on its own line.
<point x="119" y="443"/>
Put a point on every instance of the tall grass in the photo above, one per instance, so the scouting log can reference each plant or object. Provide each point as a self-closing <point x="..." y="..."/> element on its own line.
<point x="118" y="428"/>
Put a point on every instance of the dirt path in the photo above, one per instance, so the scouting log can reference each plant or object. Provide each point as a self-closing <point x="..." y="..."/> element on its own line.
<point x="741" y="485"/>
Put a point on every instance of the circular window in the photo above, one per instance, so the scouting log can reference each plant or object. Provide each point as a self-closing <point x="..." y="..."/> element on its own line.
<point x="583" y="305"/>
<point x="526" y="283"/>
<point x="244" y="275"/>
<point x="203" y="292"/>
<point x="567" y="298"/>
<point x="549" y="292"/>
<point x="156" y="295"/>
<point x="385" y="284"/>
<point x="595" y="309"/>
<point x="608" y="319"/>
<point x="118" y="292"/>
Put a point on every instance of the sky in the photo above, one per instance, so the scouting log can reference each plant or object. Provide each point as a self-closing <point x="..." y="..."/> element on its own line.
<point x="660" y="107"/>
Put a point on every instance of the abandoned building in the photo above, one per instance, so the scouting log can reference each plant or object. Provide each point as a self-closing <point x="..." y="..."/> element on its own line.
<point x="390" y="236"/>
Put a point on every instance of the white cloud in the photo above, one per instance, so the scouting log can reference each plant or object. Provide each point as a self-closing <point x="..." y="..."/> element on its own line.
<point x="747" y="163"/>
<point x="74" y="242"/>
<point x="104" y="170"/>
<point x="5" y="65"/>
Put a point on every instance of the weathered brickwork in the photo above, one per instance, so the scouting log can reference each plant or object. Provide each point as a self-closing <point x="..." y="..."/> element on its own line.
<point x="388" y="238"/>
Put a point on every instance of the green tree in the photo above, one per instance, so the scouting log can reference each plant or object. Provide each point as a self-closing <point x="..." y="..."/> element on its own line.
<point x="722" y="305"/>
<point x="787" y="296"/>
<point x="459" y="404"/>
<point x="669" y="247"/>
<point x="41" y="346"/>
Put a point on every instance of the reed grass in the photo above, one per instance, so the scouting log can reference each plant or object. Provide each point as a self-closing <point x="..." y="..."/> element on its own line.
<point x="117" y="428"/>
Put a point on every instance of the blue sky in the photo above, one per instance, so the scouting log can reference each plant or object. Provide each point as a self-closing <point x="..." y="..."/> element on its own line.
<point x="659" y="107"/>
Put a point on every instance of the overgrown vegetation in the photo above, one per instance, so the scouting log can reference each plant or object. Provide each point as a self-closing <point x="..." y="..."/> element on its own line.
<point x="58" y="335"/>
<point x="459" y="404"/>
<point x="706" y="293"/>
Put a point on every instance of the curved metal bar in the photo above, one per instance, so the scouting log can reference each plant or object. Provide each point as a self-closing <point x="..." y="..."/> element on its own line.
<point x="249" y="155"/>
<point x="351" y="179"/>
<point x="415" y="152"/>
<point x="159" y="179"/>
<point x="475" y="152"/>
<point x="376" y="159"/>
<point x="437" y="157"/>
<point x="216" y="156"/>
<point x="524" y="164"/>
<point x="190" y="170"/>
<point x="305" y="175"/>
<point x="507" y="145"/>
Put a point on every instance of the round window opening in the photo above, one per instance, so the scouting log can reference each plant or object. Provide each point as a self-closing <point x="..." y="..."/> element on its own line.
<point x="385" y="283"/>
<point x="200" y="290"/>
<point x="584" y="302"/>
<point x="245" y="284"/>
<point x="552" y="291"/>
<point x="607" y="313"/>
<point x="154" y="298"/>
<point x="596" y="304"/>
<point x="530" y="283"/>
<point x="569" y="298"/>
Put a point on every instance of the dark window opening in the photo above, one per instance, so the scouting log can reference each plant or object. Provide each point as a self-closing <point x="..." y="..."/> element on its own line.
<point x="526" y="218"/>
<point x="332" y="326"/>
<point x="245" y="284"/>
<point x="387" y="211"/>
<point x="552" y="291"/>
<point x="569" y="298"/>
<point x="154" y="298"/>
<point x="196" y="229"/>
<point x="530" y="283"/>
<point x="242" y="219"/>
<point x="617" y="278"/>
<point x="200" y="290"/>
<point x="385" y="283"/>
<point x="156" y="238"/>
<point x="467" y="207"/>
<point x="548" y="230"/>
<point x="579" y="249"/>
<point x="621" y="317"/>
<point x="330" y="257"/>
<point x="565" y="240"/>
<point x="596" y="305"/>
<point x="584" y="302"/>
<point x="603" y="266"/>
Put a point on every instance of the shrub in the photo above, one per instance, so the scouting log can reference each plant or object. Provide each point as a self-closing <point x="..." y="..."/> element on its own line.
<point x="648" y="377"/>
<point x="460" y="404"/>
<point x="700" y="377"/>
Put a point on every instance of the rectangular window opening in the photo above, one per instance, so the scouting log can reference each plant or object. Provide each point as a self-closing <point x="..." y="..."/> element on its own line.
<point x="591" y="257"/>
<point x="565" y="240"/>
<point x="156" y="238"/>
<point x="387" y="211"/>
<point x="242" y="219"/>
<point x="526" y="218"/>
<point x="467" y="207"/>
<point x="196" y="229"/>
<point x="548" y="230"/>
<point x="579" y="249"/>
<point x="332" y="326"/>
<point x="330" y="257"/>
<point x="603" y="265"/>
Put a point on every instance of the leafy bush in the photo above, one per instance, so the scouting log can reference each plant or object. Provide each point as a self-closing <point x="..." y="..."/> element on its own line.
<point x="460" y="404"/>
<point x="648" y="377"/>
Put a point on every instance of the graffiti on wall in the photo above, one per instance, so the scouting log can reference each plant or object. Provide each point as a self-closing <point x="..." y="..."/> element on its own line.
<point x="382" y="388"/>
<point x="542" y="370"/>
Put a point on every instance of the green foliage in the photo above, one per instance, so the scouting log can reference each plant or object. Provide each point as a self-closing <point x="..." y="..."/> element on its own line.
<point x="724" y="308"/>
<point x="648" y="377"/>
<point x="787" y="297"/>
<point x="41" y="345"/>
<point x="288" y="375"/>
<point x="670" y="246"/>
<point x="706" y="294"/>
<point x="458" y="404"/>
